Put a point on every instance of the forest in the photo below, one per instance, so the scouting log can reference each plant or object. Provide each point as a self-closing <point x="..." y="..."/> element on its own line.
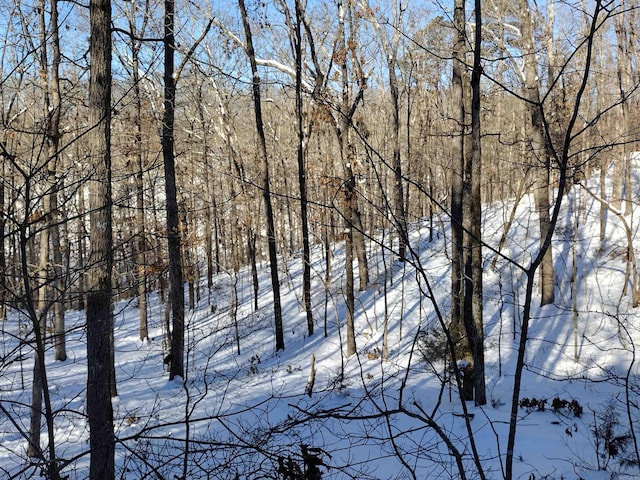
<point x="417" y="183"/>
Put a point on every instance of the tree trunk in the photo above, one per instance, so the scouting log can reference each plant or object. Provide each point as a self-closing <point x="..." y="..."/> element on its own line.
<point x="51" y="109"/>
<point x="563" y="167"/>
<point x="349" y="193"/>
<point x="253" y="254"/>
<point x="622" y="165"/>
<point x="266" y="191"/>
<point x="302" y="174"/>
<point x="349" y="287"/>
<point x="138" y="167"/>
<point x="176" y="287"/>
<point x="473" y="290"/>
<point x="54" y="135"/>
<point x="457" y="183"/>
<point x="539" y="149"/>
<point x="3" y="258"/>
<point x="99" y="297"/>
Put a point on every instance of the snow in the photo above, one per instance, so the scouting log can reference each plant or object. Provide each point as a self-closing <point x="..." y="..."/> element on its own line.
<point x="241" y="412"/>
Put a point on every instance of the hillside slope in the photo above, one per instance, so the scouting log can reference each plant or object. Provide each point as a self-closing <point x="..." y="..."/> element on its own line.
<point x="243" y="411"/>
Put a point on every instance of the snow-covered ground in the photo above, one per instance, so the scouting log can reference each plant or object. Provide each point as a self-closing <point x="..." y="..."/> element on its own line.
<point x="242" y="409"/>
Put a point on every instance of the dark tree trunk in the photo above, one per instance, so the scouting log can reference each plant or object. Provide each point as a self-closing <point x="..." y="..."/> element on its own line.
<point x="473" y="291"/>
<point x="390" y="50"/>
<point x="457" y="183"/>
<point x="176" y="287"/>
<point x="266" y="190"/>
<point x="253" y="254"/>
<point x="99" y="296"/>
<point x="3" y="258"/>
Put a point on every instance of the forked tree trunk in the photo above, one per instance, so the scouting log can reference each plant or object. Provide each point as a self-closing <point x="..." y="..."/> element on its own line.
<point x="474" y="324"/>
<point x="51" y="109"/>
<point x="563" y="167"/>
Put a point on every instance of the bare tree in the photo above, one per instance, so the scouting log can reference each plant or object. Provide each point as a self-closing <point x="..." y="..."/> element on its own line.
<point x="540" y="147"/>
<point x="136" y="32"/>
<point x="266" y="188"/>
<point x="622" y="176"/>
<point x="390" y="48"/>
<point x="302" y="170"/>
<point x="55" y="181"/>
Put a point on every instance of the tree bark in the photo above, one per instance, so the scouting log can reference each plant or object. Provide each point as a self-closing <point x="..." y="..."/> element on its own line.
<point x="3" y="258"/>
<point x="457" y="182"/>
<point x="99" y="297"/>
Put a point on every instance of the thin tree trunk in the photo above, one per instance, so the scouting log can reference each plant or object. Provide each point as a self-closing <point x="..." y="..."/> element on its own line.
<point x="390" y="50"/>
<point x="99" y="297"/>
<point x="266" y="191"/>
<point x="536" y="262"/>
<point x="54" y="135"/>
<point x="253" y="254"/>
<point x="141" y="244"/>
<point x="3" y="258"/>
<point x="210" y="209"/>
<point x="51" y="109"/>
<point x="349" y="287"/>
<point x="349" y="187"/>
<point x="82" y="253"/>
<point x="302" y="175"/>
<point x="347" y="114"/>
<point x="622" y="165"/>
